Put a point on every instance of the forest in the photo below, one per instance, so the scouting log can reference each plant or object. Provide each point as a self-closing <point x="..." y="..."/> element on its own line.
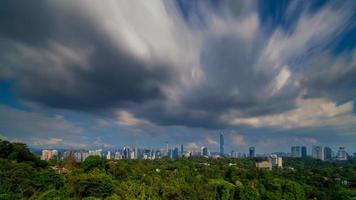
<point x="24" y="176"/>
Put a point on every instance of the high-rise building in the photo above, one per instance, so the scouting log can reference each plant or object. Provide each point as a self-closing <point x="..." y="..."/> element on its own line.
<point x="318" y="152"/>
<point x="252" y="152"/>
<point x="275" y="160"/>
<point x="204" y="151"/>
<point x="167" y="149"/>
<point x="327" y="153"/>
<point x="78" y="156"/>
<point x="85" y="155"/>
<point x="97" y="152"/>
<point x="170" y="153"/>
<point x="181" y="149"/>
<point x="126" y="153"/>
<point x="118" y="156"/>
<point x="296" y="151"/>
<point x="221" y="144"/>
<point x="175" y="153"/>
<point x="304" y="151"/>
<point x="108" y="155"/>
<point x="341" y="154"/>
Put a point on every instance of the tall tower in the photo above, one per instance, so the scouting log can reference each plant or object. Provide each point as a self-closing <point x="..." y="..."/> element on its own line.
<point x="167" y="149"/>
<point x="252" y="152"/>
<point x="318" y="152"/>
<point x="304" y="151"/>
<point x="221" y="144"/>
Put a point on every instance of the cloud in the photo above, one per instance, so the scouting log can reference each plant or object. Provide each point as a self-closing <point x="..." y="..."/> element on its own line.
<point x="192" y="146"/>
<point x="126" y="118"/>
<point x="49" y="142"/>
<point x="38" y="129"/>
<point x="238" y="139"/>
<point x="156" y="66"/>
<point x="98" y="143"/>
<point x="99" y="70"/>
<point x="103" y="123"/>
<point x="310" y="113"/>
<point x="211" y="141"/>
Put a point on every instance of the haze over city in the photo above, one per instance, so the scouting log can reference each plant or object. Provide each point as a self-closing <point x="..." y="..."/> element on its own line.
<point x="92" y="74"/>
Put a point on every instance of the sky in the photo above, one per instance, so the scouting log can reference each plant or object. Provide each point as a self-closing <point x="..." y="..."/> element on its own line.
<point x="104" y="74"/>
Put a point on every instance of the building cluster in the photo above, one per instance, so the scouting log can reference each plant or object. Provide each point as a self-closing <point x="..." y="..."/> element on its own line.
<point x="275" y="159"/>
<point x="319" y="152"/>
<point x="272" y="161"/>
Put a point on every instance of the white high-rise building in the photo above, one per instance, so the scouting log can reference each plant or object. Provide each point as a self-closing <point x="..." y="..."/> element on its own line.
<point x="204" y="151"/>
<point x="341" y="154"/>
<point x="97" y="152"/>
<point x="318" y="152"/>
<point x="275" y="160"/>
<point x="132" y="155"/>
<point x="85" y="155"/>
<point x="118" y="155"/>
<point x="108" y="155"/>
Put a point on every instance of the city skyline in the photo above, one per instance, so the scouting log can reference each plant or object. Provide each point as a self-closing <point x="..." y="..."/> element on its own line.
<point x="265" y="74"/>
<point x="138" y="153"/>
<point x="178" y="150"/>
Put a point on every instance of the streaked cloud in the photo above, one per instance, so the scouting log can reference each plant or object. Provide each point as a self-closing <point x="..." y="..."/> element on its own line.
<point x="167" y="68"/>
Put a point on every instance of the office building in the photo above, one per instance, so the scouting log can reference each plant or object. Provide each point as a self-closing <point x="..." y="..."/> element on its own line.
<point x="275" y="161"/>
<point x="304" y="151"/>
<point x="318" y="152"/>
<point x="341" y="154"/>
<point x="85" y="155"/>
<point x="221" y="144"/>
<point x="175" y="153"/>
<point x="204" y="151"/>
<point x="181" y="149"/>
<point x="252" y="152"/>
<point x="167" y="150"/>
<point x="327" y="153"/>
<point x="97" y="152"/>
<point x="108" y="155"/>
<point x="296" y="151"/>
<point x="118" y="155"/>
<point x="81" y="155"/>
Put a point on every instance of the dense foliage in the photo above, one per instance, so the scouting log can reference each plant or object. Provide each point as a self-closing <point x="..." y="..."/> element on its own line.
<point x="23" y="176"/>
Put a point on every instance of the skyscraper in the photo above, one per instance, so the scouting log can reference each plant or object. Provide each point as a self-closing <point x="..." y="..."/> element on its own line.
<point x="252" y="152"/>
<point x="221" y="144"/>
<point x="327" y="153"/>
<point x="175" y="153"/>
<point x="296" y="151"/>
<point x="167" y="149"/>
<point x="181" y="149"/>
<point x="341" y="154"/>
<point x="204" y="151"/>
<point x="318" y="152"/>
<point x="304" y="151"/>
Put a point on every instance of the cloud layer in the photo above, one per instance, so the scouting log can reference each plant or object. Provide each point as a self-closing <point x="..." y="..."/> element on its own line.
<point x="198" y="65"/>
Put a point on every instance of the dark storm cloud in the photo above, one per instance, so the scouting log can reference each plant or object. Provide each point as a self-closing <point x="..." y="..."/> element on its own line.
<point x="232" y="80"/>
<point x="332" y="78"/>
<point x="25" y="21"/>
<point x="61" y="59"/>
<point x="73" y="55"/>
